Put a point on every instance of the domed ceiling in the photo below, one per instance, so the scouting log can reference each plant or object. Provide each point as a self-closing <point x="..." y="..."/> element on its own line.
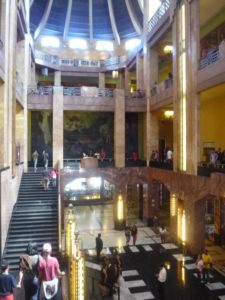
<point x="89" y="19"/>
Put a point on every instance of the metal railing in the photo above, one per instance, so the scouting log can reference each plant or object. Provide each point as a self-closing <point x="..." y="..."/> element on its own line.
<point x="210" y="58"/>
<point x="206" y="168"/>
<point x="164" y="7"/>
<point x="105" y="92"/>
<point x="41" y="90"/>
<point x="136" y="94"/>
<point x="72" y="91"/>
<point x="76" y="91"/>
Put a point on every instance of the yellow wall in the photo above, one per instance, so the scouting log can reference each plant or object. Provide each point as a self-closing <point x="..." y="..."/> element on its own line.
<point x="212" y="124"/>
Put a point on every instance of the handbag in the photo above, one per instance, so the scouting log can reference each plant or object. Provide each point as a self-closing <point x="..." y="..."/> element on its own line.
<point x="50" y="288"/>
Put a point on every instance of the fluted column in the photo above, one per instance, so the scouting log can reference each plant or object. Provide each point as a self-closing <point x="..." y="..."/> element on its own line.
<point x="185" y="34"/>
<point x="101" y="80"/>
<point x="119" y="128"/>
<point x="57" y="142"/>
<point x="139" y="72"/>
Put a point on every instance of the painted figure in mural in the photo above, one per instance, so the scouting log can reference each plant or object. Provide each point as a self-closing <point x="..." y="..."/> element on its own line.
<point x="35" y="159"/>
<point x="45" y="158"/>
<point x="45" y="128"/>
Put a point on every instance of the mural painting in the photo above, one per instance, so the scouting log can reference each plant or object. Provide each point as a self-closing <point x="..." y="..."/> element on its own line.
<point x="86" y="133"/>
<point x="41" y="132"/>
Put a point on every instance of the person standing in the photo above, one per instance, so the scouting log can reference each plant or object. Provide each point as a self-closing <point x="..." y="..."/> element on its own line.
<point x="35" y="159"/>
<point x="7" y="282"/>
<point x="134" y="232"/>
<point x="127" y="235"/>
<point x="45" y="159"/>
<point x="163" y="233"/>
<point x="99" y="246"/>
<point x="48" y="272"/>
<point x="28" y="272"/>
<point x="45" y="176"/>
<point x="53" y="175"/>
<point x="207" y="260"/>
<point x="162" y="276"/>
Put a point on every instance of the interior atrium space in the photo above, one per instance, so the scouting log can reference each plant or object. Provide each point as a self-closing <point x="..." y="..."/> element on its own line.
<point x="112" y="153"/>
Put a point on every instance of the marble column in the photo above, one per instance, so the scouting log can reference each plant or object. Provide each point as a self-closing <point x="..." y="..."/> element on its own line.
<point x="127" y="80"/>
<point x="139" y="72"/>
<point x="101" y="80"/>
<point x="186" y="99"/>
<point x="119" y="128"/>
<point x="121" y="80"/>
<point x="57" y="78"/>
<point x="151" y="206"/>
<point x="57" y="140"/>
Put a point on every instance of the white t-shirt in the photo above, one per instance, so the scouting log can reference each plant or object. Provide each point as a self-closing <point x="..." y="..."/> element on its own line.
<point x="162" y="275"/>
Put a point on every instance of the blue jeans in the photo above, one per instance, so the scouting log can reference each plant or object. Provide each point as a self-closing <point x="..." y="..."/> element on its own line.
<point x="31" y="288"/>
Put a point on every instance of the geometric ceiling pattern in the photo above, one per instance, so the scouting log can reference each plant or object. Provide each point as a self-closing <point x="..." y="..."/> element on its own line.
<point x="90" y="19"/>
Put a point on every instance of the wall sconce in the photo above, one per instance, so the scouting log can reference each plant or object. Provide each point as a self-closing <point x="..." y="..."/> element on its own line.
<point x="115" y="74"/>
<point x="169" y="114"/>
<point x="168" y="49"/>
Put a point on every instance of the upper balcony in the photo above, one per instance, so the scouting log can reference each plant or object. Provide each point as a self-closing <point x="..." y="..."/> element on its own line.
<point x="2" y="61"/>
<point x="79" y="65"/>
<point x="84" y="98"/>
<point x="212" y="68"/>
<point x="162" y="94"/>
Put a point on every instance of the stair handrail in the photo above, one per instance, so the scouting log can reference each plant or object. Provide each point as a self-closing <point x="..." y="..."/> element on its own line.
<point x="59" y="211"/>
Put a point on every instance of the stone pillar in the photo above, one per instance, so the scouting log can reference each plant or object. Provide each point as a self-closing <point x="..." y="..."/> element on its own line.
<point x="127" y="80"/>
<point x="57" y="140"/>
<point x="119" y="128"/>
<point x="154" y="131"/>
<point x="57" y="78"/>
<point x="139" y="72"/>
<point x="152" y="207"/>
<point x="101" y="80"/>
<point x="195" y="225"/>
<point x="186" y="99"/>
<point x="121" y="80"/>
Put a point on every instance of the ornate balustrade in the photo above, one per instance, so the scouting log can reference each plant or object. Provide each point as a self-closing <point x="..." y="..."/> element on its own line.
<point x="164" y="7"/>
<point x="210" y="58"/>
<point x="71" y="91"/>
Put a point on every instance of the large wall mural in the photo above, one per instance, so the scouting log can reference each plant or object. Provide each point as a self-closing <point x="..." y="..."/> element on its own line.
<point x="88" y="132"/>
<point x="41" y="132"/>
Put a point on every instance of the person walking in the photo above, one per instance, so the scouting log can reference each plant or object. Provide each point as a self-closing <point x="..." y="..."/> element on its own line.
<point x="35" y="160"/>
<point x="28" y="273"/>
<point x="127" y="235"/>
<point x="45" y="179"/>
<point x="45" y="159"/>
<point x="200" y="265"/>
<point x="134" y="232"/>
<point x="207" y="260"/>
<point x="99" y="246"/>
<point x="7" y="282"/>
<point x="162" y="277"/>
<point x="48" y="272"/>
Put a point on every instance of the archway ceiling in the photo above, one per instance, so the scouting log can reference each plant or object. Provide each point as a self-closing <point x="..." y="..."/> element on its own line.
<point x="90" y="19"/>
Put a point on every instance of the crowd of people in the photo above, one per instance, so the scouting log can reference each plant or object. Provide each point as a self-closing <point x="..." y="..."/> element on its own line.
<point x="38" y="275"/>
<point x="204" y="266"/>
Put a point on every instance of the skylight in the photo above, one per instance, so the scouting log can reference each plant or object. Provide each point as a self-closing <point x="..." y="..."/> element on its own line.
<point x="104" y="45"/>
<point x="154" y="5"/>
<point x="131" y="44"/>
<point x="50" y="41"/>
<point x="78" y="44"/>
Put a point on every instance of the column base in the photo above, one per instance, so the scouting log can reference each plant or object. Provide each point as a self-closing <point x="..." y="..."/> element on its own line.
<point x="120" y="224"/>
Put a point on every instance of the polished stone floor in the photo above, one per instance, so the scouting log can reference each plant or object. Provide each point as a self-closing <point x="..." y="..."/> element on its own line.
<point x="141" y="262"/>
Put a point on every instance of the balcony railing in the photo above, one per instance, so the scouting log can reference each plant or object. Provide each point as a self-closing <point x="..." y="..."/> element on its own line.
<point x="41" y="90"/>
<point x="205" y="168"/>
<point x="162" y="86"/>
<point x="210" y="58"/>
<point x="164" y="7"/>
<point x="136" y="94"/>
<point x="87" y="92"/>
<point x="55" y="60"/>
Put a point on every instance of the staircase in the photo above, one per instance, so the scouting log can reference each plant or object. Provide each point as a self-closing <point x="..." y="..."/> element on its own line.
<point x="34" y="218"/>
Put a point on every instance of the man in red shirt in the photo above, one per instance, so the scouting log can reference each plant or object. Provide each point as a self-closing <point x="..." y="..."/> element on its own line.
<point x="48" y="270"/>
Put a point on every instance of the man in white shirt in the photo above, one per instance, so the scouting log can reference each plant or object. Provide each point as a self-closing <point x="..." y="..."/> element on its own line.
<point x="162" y="276"/>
